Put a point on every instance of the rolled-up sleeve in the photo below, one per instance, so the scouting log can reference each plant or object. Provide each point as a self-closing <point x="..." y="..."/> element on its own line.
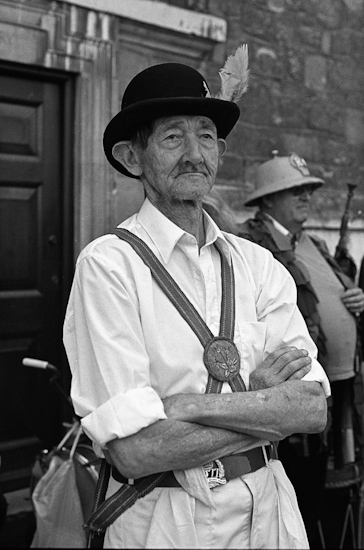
<point x="111" y="387"/>
<point x="317" y="374"/>
<point x="123" y="415"/>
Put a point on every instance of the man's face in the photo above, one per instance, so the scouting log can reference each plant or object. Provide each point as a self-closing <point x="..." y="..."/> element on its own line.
<point x="181" y="159"/>
<point x="291" y="207"/>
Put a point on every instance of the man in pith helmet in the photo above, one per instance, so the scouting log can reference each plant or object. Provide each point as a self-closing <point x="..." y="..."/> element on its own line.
<point x="170" y="322"/>
<point x="329" y="302"/>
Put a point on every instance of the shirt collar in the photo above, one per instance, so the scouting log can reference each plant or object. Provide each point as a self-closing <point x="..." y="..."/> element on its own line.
<point x="166" y="234"/>
<point x="294" y="239"/>
<point x="215" y="235"/>
<point x="279" y="227"/>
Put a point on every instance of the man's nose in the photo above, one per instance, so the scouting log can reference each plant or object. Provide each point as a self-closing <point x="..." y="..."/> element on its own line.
<point x="306" y="194"/>
<point x="192" y="149"/>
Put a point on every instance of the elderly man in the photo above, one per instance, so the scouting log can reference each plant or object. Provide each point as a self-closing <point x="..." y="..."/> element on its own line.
<point x="159" y="380"/>
<point x="329" y="302"/>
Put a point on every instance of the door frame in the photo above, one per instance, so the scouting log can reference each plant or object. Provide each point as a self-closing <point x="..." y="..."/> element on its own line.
<point x="67" y="83"/>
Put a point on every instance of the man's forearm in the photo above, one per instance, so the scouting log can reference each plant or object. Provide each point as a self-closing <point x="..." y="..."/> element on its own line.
<point x="271" y="413"/>
<point x="203" y="427"/>
<point x="172" y="445"/>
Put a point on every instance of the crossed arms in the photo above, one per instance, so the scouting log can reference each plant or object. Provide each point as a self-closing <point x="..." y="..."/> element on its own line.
<point x="200" y="428"/>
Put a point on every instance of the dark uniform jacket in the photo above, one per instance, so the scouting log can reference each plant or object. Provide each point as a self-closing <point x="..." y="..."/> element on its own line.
<point x="261" y="231"/>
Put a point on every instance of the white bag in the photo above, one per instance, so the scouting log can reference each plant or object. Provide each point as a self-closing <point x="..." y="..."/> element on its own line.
<point x="57" y="505"/>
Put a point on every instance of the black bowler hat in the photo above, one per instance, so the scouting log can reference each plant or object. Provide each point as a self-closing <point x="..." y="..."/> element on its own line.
<point x="166" y="90"/>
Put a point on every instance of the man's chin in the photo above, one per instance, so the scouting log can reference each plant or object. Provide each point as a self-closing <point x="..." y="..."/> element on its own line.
<point x="301" y="220"/>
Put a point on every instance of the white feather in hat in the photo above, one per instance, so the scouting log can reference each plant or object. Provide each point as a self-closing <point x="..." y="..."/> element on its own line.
<point x="234" y="76"/>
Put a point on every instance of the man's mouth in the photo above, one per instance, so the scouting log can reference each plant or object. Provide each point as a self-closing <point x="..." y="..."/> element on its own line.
<point x="194" y="173"/>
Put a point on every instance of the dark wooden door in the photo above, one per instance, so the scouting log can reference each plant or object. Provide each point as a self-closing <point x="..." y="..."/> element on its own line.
<point x="31" y="271"/>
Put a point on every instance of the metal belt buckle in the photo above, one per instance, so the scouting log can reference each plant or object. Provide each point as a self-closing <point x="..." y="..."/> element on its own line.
<point x="215" y="473"/>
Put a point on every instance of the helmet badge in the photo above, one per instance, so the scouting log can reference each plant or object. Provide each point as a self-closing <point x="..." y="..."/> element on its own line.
<point x="299" y="163"/>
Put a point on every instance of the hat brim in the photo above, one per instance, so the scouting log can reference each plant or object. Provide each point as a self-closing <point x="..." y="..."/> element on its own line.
<point x="271" y="189"/>
<point x="224" y="114"/>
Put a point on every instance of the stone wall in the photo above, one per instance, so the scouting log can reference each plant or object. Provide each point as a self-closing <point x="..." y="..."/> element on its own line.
<point x="305" y="95"/>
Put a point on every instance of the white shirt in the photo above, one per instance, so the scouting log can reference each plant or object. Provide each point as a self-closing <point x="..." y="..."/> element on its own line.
<point x="128" y="347"/>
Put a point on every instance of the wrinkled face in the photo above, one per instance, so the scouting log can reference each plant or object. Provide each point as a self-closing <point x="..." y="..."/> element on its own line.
<point x="181" y="159"/>
<point x="292" y="206"/>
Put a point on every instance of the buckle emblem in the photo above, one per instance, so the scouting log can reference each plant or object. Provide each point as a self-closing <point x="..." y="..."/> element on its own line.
<point x="299" y="163"/>
<point x="215" y="475"/>
<point x="222" y="359"/>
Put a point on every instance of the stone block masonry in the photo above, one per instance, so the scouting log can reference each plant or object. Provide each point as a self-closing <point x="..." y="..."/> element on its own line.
<point x="305" y="95"/>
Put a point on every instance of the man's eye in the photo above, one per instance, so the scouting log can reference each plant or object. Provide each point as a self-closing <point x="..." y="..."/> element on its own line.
<point x="208" y="136"/>
<point x="172" y="140"/>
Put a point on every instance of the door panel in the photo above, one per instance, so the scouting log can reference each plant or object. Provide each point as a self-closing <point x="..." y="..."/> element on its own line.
<point x="18" y="247"/>
<point x="30" y="263"/>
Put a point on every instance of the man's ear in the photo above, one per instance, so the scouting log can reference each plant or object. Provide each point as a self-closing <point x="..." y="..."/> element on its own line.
<point x="124" y="152"/>
<point x="221" y="143"/>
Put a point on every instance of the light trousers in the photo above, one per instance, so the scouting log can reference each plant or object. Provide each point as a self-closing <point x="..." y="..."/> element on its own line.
<point x="258" y="510"/>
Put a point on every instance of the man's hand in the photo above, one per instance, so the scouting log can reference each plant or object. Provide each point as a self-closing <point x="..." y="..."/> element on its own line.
<point x="288" y="363"/>
<point x="353" y="299"/>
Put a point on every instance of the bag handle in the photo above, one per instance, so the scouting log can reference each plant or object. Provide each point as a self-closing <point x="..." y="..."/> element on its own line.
<point x="75" y="442"/>
<point x="69" y="434"/>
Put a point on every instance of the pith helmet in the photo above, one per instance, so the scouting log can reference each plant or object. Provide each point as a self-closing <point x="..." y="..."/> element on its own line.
<point x="281" y="173"/>
<point x="167" y="89"/>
